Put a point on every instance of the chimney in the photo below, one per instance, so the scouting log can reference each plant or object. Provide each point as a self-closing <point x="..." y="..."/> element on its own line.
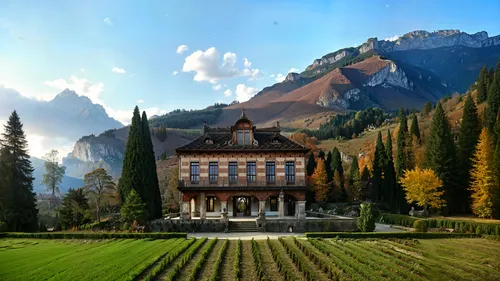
<point x="205" y="127"/>
<point x="278" y="124"/>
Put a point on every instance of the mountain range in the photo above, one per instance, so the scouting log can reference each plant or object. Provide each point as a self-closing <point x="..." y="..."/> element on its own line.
<point x="419" y="66"/>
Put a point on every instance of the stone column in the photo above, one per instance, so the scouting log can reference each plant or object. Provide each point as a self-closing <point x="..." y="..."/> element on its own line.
<point x="281" y="205"/>
<point x="262" y="206"/>
<point x="184" y="210"/>
<point x="223" y="206"/>
<point x="302" y="209"/>
<point x="203" y="206"/>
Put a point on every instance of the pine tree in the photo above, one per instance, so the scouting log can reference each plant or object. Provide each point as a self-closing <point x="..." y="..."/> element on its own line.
<point x="482" y="177"/>
<point x="20" y="213"/>
<point x="469" y="135"/>
<point x="427" y="109"/>
<point x="328" y="166"/>
<point x="493" y="106"/>
<point x="75" y="209"/>
<point x="134" y="209"/>
<point x="482" y="90"/>
<point x="150" y="176"/>
<point x="401" y="161"/>
<point x="379" y="162"/>
<point x="133" y="161"/>
<point x="320" y="181"/>
<point x="311" y="164"/>
<point x="414" y="130"/>
<point x="355" y="180"/>
<point x="440" y="155"/>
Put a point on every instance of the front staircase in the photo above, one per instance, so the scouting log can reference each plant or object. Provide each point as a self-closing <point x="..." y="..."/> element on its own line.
<point x="242" y="226"/>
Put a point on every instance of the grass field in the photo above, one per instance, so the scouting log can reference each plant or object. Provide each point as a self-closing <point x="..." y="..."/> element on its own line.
<point x="283" y="259"/>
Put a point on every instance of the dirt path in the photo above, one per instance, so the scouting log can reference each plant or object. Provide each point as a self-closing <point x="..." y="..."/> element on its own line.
<point x="208" y="267"/>
<point x="227" y="271"/>
<point x="248" y="270"/>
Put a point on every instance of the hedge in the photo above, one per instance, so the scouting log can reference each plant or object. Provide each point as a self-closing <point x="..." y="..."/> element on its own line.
<point x="461" y="226"/>
<point x="383" y="235"/>
<point x="104" y="235"/>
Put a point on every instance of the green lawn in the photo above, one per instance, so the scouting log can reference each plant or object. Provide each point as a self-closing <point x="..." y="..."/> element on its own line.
<point x="284" y="259"/>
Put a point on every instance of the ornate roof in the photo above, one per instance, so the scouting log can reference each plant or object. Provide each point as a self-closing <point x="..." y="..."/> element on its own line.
<point x="220" y="139"/>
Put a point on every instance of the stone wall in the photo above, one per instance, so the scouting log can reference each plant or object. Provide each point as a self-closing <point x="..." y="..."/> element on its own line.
<point x="162" y="225"/>
<point x="319" y="225"/>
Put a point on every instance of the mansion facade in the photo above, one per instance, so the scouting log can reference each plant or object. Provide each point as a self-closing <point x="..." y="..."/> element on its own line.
<point x="242" y="171"/>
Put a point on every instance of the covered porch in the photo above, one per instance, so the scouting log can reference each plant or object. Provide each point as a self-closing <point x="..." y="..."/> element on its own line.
<point x="243" y="205"/>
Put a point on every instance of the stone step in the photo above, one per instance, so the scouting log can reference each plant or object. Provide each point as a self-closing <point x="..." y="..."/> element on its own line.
<point x="239" y="226"/>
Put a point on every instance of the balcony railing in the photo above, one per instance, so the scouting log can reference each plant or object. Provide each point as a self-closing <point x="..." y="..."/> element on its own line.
<point x="227" y="183"/>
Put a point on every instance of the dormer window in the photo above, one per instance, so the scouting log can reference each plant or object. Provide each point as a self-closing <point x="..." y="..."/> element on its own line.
<point x="243" y="137"/>
<point x="275" y="140"/>
<point x="209" y="141"/>
<point x="242" y="131"/>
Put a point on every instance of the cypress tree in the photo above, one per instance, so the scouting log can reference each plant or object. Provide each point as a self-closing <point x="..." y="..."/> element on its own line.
<point x="469" y="135"/>
<point x="401" y="162"/>
<point x="390" y="190"/>
<point x="355" y="179"/>
<point x="321" y="154"/>
<point x="133" y="161"/>
<point x="414" y="130"/>
<point x="20" y="213"/>
<point x="482" y="90"/>
<point x="496" y="173"/>
<point x="328" y="166"/>
<point x="337" y="163"/>
<point x="311" y="164"/>
<point x="150" y="176"/>
<point x="379" y="162"/>
<point x="388" y="147"/>
<point x="440" y="156"/>
<point x="365" y="174"/>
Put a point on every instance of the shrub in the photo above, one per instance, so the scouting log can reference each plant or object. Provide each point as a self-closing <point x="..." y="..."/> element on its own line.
<point x="385" y="235"/>
<point x="366" y="220"/>
<point x="103" y="235"/>
<point x="478" y="230"/>
<point x="420" y="226"/>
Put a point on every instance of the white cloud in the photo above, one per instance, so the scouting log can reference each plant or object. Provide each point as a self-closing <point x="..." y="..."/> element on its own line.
<point x="175" y="72"/>
<point x="293" y="69"/>
<point x="181" y="49"/>
<point x="140" y="101"/>
<point x="82" y="86"/>
<point x="247" y="63"/>
<point x="393" y="38"/>
<point x="108" y="21"/>
<point x="244" y="93"/>
<point x="208" y="67"/>
<point x="254" y="74"/>
<point x="228" y="93"/>
<point x="118" y="70"/>
<point x="217" y="87"/>
<point x="279" y="77"/>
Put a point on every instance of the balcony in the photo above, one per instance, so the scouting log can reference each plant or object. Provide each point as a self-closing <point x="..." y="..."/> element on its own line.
<point x="225" y="184"/>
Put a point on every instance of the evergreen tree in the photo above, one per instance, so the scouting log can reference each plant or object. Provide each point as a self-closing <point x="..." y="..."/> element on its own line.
<point x="337" y="166"/>
<point x="482" y="90"/>
<point x="389" y="188"/>
<point x="388" y="147"/>
<point x="379" y="162"/>
<point x="133" y="160"/>
<point x="414" y="130"/>
<point x="440" y="155"/>
<point x="311" y="164"/>
<point x="427" y="108"/>
<point x="496" y="173"/>
<point x="134" y="209"/>
<point x="75" y="209"/>
<point x="20" y="213"/>
<point x="365" y="174"/>
<point x="321" y="154"/>
<point x="401" y="161"/>
<point x="469" y="135"/>
<point x="150" y="176"/>
<point x="366" y="219"/>
<point x="355" y="180"/>
<point x="482" y="178"/>
<point x="493" y="106"/>
<point x="328" y="166"/>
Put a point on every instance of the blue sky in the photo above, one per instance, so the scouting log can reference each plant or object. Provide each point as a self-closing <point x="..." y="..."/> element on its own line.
<point x="49" y="45"/>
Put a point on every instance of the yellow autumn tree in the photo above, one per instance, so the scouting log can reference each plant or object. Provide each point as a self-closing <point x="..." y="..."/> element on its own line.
<point x="482" y="177"/>
<point x="423" y="188"/>
<point x="320" y="181"/>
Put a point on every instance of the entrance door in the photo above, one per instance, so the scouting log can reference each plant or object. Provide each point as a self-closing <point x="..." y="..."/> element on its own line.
<point x="242" y="206"/>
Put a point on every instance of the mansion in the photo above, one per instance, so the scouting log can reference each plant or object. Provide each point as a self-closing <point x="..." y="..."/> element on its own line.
<point x="242" y="171"/>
